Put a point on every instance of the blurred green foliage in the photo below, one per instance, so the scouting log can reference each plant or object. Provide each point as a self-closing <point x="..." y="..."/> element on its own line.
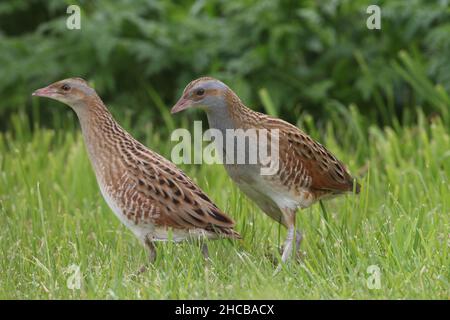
<point x="287" y="56"/>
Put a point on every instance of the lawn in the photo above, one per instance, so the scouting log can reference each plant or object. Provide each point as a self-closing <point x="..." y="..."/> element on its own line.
<point x="54" y="222"/>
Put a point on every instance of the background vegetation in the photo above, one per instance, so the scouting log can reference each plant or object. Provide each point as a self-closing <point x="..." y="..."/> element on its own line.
<point x="310" y="55"/>
<point x="378" y="99"/>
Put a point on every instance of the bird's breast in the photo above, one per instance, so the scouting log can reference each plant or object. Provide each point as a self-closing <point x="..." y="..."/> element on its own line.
<point x="259" y="187"/>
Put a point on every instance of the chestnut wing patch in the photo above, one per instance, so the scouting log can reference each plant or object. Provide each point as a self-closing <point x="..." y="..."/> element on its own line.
<point x="182" y="204"/>
<point x="319" y="168"/>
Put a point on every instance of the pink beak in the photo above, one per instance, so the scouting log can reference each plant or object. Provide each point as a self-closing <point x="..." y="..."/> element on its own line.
<point x="43" y="92"/>
<point x="180" y="105"/>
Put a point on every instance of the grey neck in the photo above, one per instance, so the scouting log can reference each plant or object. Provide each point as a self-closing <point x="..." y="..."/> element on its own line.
<point x="219" y="118"/>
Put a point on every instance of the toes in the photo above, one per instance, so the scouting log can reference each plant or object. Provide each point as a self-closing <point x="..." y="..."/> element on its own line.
<point x="142" y="269"/>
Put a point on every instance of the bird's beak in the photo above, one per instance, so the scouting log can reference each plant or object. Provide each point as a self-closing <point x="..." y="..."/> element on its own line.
<point x="180" y="105"/>
<point x="44" y="92"/>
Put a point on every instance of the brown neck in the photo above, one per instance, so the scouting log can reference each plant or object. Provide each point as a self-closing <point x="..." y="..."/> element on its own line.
<point x="240" y="114"/>
<point x="101" y="133"/>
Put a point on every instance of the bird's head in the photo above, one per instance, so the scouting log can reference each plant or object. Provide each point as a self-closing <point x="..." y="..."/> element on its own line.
<point x="73" y="92"/>
<point x="205" y="93"/>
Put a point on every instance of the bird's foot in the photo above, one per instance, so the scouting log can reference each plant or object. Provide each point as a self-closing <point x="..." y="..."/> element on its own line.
<point x="299" y="255"/>
<point x="288" y="247"/>
<point x="272" y="257"/>
<point x="139" y="272"/>
<point x="142" y="269"/>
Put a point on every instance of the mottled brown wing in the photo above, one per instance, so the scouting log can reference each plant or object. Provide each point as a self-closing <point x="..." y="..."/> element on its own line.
<point x="176" y="200"/>
<point x="307" y="161"/>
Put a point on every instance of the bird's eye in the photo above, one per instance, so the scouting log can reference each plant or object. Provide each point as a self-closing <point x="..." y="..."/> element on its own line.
<point x="65" y="87"/>
<point x="200" y="92"/>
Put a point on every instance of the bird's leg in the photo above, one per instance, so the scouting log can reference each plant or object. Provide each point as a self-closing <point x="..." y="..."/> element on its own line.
<point x="203" y="247"/>
<point x="289" y="221"/>
<point x="288" y="244"/>
<point x="151" y="249"/>
<point x="205" y="250"/>
<point x="150" y="245"/>
<point x="298" y="242"/>
<point x="298" y="239"/>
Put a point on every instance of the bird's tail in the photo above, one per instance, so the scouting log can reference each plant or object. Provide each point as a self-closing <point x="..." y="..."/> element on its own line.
<point x="356" y="186"/>
<point x="227" y="232"/>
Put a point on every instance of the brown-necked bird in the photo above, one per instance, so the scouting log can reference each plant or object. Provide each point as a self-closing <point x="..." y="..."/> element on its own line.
<point x="307" y="171"/>
<point x="147" y="192"/>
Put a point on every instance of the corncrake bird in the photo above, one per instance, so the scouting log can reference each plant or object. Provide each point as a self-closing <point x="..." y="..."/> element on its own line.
<point x="147" y="192"/>
<point x="307" y="172"/>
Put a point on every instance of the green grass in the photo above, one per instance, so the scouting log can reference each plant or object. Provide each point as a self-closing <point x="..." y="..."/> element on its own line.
<point x="53" y="216"/>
